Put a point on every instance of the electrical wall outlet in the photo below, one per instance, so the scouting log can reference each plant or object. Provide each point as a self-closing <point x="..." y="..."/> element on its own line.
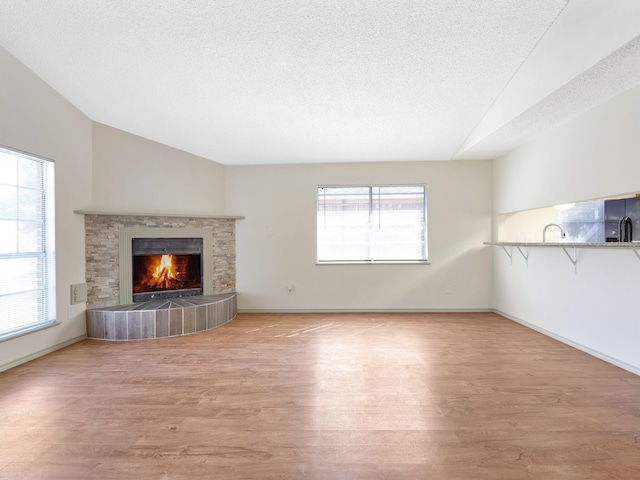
<point x="78" y="293"/>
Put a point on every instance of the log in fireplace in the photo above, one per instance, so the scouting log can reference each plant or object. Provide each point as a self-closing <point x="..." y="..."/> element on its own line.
<point x="164" y="262"/>
<point x="166" y="268"/>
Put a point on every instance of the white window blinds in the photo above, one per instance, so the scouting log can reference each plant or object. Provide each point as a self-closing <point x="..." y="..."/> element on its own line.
<point x="27" y="243"/>
<point x="372" y="223"/>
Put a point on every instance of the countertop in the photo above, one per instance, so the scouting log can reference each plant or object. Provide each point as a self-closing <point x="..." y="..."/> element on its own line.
<point x="632" y="245"/>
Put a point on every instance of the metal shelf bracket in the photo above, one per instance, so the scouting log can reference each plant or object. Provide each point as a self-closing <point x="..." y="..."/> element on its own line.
<point x="570" y="249"/>
<point x="508" y="252"/>
<point x="573" y="258"/>
<point x="525" y="254"/>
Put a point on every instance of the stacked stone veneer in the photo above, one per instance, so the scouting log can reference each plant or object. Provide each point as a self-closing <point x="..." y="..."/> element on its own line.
<point x="103" y="257"/>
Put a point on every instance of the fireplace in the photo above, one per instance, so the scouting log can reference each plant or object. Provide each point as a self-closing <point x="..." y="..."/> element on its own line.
<point x="166" y="268"/>
<point x="158" y="263"/>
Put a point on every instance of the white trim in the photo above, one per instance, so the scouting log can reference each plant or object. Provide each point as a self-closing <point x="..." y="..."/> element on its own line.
<point x="27" y="331"/>
<point x="595" y="353"/>
<point x="377" y="262"/>
<point x="40" y="353"/>
<point x="370" y="310"/>
<point x="15" y="151"/>
<point x="171" y="215"/>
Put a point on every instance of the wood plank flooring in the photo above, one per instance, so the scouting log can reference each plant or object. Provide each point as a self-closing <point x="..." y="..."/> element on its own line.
<point x="323" y="396"/>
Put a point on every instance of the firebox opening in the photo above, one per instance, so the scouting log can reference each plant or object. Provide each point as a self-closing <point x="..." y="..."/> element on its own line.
<point x="166" y="267"/>
<point x="159" y="273"/>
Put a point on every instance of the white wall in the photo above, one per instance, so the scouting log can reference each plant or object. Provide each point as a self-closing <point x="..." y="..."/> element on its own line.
<point x="597" y="309"/>
<point x="282" y="199"/>
<point x="594" y="155"/>
<point x="36" y="120"/>
<point x="133" y="174"/>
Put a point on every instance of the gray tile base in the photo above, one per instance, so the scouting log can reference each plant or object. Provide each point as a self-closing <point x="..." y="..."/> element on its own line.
<point x="161" y="318"/>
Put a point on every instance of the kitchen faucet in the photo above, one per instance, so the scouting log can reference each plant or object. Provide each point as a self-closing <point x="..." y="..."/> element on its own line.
<point x="544" y="231"/>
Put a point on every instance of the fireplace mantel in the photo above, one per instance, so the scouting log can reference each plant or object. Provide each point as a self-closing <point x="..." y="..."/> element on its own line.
<point x="171" y="215"/>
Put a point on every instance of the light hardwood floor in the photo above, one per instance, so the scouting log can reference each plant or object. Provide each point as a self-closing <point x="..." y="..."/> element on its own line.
<point x="323" y="396"/>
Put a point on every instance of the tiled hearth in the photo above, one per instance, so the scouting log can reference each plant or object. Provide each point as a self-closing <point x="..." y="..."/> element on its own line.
<point x="161" y="318"/>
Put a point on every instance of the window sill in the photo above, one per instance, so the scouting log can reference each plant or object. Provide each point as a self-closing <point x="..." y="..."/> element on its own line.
<point x="380" y="262"/>
<point x="27" y="331"/>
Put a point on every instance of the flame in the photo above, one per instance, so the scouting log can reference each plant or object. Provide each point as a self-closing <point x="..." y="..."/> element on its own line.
<point x="165" y="272"/>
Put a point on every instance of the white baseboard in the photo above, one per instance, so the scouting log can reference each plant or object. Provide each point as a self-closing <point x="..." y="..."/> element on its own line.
<point x="602" y="356"/>
<point x="40" y="353"/>
<point x="369" y="310"/>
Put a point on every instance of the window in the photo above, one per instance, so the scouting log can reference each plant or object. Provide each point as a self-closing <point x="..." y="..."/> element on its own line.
<point x="27" y="251"/>
<point x="372" y="223"/>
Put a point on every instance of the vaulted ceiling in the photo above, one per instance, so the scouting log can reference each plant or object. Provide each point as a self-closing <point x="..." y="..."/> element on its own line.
<point x="296" y="81"/>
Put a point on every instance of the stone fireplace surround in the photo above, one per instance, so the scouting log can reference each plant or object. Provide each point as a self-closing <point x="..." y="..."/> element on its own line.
<point x="103" y="259"/>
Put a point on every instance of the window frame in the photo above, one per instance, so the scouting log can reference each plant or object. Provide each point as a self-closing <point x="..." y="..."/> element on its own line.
<point x="425" y="225"/>
<point x="44" y="275"/>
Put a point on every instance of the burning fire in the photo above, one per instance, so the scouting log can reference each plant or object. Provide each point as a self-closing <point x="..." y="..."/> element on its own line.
<point x="153" y="273"/>
<point x="165" y="273"/>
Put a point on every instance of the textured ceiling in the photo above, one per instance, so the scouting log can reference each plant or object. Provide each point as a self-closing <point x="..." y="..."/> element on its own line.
<point x="295" y="81"/>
